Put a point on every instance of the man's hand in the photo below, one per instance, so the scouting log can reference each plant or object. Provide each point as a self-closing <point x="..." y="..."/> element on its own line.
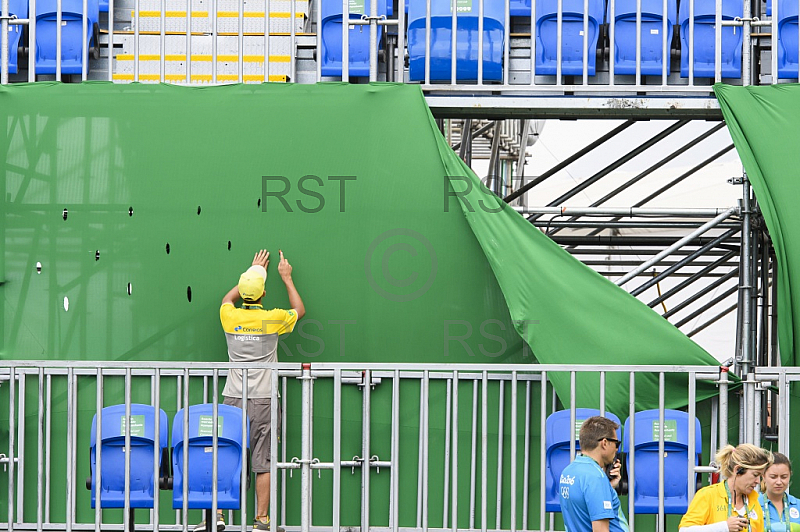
<point x="261" y="258"/>
<point x="284" y="268"/>
<point x="615" y="474"/>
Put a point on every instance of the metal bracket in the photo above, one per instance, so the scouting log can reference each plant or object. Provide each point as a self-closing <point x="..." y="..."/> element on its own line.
<point x="736" y="180"/>
<point x="5" y="461"/>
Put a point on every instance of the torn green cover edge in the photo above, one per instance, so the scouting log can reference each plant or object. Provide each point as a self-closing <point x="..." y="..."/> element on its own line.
<point x="614" y="327"/>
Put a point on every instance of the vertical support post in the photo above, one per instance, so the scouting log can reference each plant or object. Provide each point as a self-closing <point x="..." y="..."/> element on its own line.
<point x="454" y="456"/>
<point x="425" y="450"/>
<point x="40" y="456"/>
<point x="4" y="41"/>
<point x="157" y="440"/>
<point x="692" y="436"/>
<point x="127" y="504"/>
<point x="484" y="443"/>
<point x="723" y="406"/>
<point x="746" y="291"/>
<point x="542" y="450"/>
<point x="631" y="454"/>
<point x="11" y="429"/>
<point x="305" y="504"/>
<point x="373" y="40"/>
<point x="214" y="439"/>
<point x="661" y="430"/>
<point x="345" y="40"/>
<point x="337" y="446"/>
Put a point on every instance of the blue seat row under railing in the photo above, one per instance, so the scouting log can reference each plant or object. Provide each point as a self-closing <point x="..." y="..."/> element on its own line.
<point x="142" y="479"/>
<point x="572" y="38"/>
<point x="643" y="444"/>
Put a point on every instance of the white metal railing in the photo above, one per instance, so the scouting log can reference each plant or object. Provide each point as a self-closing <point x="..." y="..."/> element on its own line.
<point x="484" y="393"/>
<point x="516" y="53"/>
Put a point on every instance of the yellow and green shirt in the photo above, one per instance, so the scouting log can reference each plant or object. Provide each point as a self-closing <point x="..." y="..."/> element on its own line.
<point x="710" y="505"/>
<point x="252" y="335"/>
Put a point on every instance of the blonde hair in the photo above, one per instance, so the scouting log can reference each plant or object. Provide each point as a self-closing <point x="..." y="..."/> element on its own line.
<point x="745" y="456"/>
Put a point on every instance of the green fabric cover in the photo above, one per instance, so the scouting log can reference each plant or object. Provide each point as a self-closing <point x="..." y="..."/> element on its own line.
<point x="763" y="122"/>
<point x="390" y="271"/>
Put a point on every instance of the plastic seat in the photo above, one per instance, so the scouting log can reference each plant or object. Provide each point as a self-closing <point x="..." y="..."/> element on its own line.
<point x="571" y="36"/>
<point x="20" y="9"/>
<point x="112" y="488"/>
<point x="331" y="39"/>
<point x="199" y="474"/>
<point x="787" y="39"/>
<point x="704" y="39"/>
<point x="467" y="40"/>
<point x="557" y="449"/>
<point x="520" y="8"/>
<point x="676" y="460"/>
<point x="71" y="34"/>
<point x="652" y="32"/>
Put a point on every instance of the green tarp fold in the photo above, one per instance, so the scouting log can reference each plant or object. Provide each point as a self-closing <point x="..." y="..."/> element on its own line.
<point x="764" y="123"/>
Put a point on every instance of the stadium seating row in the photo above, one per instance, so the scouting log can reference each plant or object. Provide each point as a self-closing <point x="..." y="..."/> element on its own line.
<point x="467" y="37"/>
<point x="572" y="38"/>
<point x="643" y="444"/>
<point x="142" y="457"/>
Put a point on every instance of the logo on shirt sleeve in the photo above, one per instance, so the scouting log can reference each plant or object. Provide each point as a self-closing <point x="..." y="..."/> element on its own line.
<point x="607" y="505"/>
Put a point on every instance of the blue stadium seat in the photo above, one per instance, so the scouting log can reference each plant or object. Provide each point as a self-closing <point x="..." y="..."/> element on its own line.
<point x="229" y="456"/>
<point x="71" y="34"/>
<point x="557" y="449"/>
<point x="704" y="39"/>
<point x="103" y="5"/>
<point x="787" y="39"/>
<point x="331" y="38"/>
<point x="571" y="35"/>
<point x="112" y="455"/>
<point x="467" y="37"/>
<point x="652" y="31"/>
<point x="20" y="9"/>
<point x="520" y="8"/>
<point x="676" y="460"/>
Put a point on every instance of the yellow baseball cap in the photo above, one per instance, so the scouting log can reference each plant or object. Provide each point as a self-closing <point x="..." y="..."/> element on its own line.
<point x="251" y="283"/>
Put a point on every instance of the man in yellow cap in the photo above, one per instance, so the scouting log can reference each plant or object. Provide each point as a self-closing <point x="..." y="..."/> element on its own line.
<point x="252" y="335"/>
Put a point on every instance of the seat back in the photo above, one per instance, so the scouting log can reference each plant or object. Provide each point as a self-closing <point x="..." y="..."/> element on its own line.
<point x="571" y="36"/>
<point x="557" y="440"/>
<point x="704" y="38"/>
<point x="229" y="456"/>
<point x="467" y="40"/>
<point x="520" y="8"/>
<point x="112" y="455"/>
<point x="652" y="32"/>
<point x="331" y="37"/>
<point x="676" y="459"/>
<point x="71" y="34"/>
<point x="787" y="39"/>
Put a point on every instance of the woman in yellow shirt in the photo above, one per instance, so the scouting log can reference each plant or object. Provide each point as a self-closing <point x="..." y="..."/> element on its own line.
<point x="731" y="505"/>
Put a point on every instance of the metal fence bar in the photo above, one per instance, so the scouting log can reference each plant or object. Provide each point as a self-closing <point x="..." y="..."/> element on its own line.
<point x="638" y="42"/>
<point x="305" y="458"/>
<point x="273" y="446"/>
<point x="484" y="444"/>
<point x="480" y="41"/>
<point x="32" y="42"/>
<point x="293" y="41"/>
<point x="427" y="43"/>
<point x="395" y="473"/>
<point x="447" y="436"/>
<point x="500" y="427"/>
<point x="185" y="472"/>
<point x="661" y="430"/>
<point x="85" y="41"/>
<point x="21" y="444"/>
<point x="586" y="42"/>
<point x="419" y="453"/>
<point x="602" y="393"/>
<point x="453" y="38"/>
<point x="136" y="43"/>
<point x="127" y="514"/>
<point x="157" y="446"/>
<point x="526" y="457"/>
<point x="631" y="454"/>
<point x="691" y="484"/>
<point x="425" y="410"/>
<point x="214" y="438"/>
<point x="283" y="450"/>
<point x="267" y="11"/>
<point x="70" y="488"/>
<point x="572" y="416"/>
<point x="4" y="41"/>
<point x="513" y="490"/>
<point x="454" y="455"/>
<point x="245" y="470"/>
<point x="533" y="43"/>
<point x="59" y="15"/>
<point x="366" y="454"/>
<point x="41" y="451"/>
<point x="337" y="446"/>
<point x="345" y="40"/>
<point x="11" y="430"/>
<point x="48" y="438"/>
<point x="718" y="41"/>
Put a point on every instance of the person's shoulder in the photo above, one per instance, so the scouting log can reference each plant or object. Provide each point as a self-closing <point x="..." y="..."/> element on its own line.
<point x="711" y="490"/>
<point x="794" y="501"/>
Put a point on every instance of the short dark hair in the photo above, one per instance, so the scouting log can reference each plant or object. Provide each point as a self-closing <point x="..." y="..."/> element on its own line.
<point x="594" y="429"/>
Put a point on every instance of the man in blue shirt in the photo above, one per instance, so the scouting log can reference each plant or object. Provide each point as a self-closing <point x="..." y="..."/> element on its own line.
<point x="588" y="500"/>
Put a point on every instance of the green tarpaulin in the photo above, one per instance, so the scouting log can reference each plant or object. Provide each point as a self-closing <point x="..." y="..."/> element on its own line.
<point x="764" y="123"/>
<point x="143" y="203"/>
